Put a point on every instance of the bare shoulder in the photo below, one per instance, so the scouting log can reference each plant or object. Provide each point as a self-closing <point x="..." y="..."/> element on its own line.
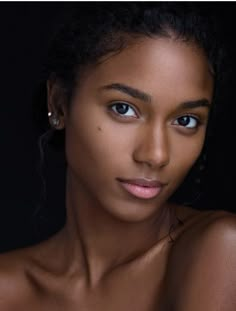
<point x="206" y="259"/>
<point x="16" y="283"/>
<point x="13" y="282"/>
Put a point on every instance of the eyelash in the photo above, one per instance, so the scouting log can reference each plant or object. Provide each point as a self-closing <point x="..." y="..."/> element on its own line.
<point x="196" y="119"/>
<point x="119" y="115"/>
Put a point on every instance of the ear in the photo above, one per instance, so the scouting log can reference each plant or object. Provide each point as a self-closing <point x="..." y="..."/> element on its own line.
<point x="56" y="102"/>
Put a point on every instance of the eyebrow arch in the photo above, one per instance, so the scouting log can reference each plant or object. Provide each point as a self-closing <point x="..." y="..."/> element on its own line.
<point x="195" y="104"/>
<point x="129" y="91"/>
<point x="147" y="98"/>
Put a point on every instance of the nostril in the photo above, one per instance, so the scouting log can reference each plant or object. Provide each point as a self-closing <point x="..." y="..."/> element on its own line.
<point x="152" y="146"/>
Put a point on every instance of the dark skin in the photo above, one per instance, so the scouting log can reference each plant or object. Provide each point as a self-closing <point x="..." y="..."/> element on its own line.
<point x="115" y="251"/>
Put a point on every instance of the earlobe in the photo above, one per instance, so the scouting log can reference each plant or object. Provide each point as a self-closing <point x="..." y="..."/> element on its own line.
<point x="54" y="120"/>
<point x="56" y="104"/>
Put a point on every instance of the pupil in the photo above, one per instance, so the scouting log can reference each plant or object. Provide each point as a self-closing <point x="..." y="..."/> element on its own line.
<point x="122" y="108"/>
<point x="184" y="120"/>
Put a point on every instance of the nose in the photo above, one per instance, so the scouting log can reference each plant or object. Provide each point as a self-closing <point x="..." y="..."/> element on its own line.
<point x="152" y="148"/>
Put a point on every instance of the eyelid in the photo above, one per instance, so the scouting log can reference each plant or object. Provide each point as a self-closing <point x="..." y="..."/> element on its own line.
<point x="198" y="120"/>
<point x="136" y="110"/>
<point x="113" y="102"/>
<point x="197" y="117"/>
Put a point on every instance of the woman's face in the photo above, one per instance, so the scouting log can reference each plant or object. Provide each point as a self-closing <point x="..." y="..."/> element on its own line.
<point x="136" y="125"/>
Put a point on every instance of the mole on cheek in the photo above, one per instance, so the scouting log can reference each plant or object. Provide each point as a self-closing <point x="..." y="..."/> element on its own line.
<point x="99" y="128"/>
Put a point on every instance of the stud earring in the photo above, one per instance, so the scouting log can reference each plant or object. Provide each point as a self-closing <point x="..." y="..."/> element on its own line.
<point x="54" y="120"/>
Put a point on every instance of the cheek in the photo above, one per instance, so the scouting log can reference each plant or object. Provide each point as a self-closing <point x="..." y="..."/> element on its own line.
<point x="95" y="147"/>
<point x="186" y="155"/>
<point x="85" y="146"/>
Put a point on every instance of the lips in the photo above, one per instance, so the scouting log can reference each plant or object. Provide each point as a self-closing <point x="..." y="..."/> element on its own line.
<point x="142" y="188"/>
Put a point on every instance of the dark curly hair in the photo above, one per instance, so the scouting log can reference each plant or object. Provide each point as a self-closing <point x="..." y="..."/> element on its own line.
<point x="94" y="30"/>
<point x="91" y="31"/>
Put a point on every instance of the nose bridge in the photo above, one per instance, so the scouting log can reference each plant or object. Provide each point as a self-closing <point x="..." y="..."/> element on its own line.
<point x="153" y="147"/>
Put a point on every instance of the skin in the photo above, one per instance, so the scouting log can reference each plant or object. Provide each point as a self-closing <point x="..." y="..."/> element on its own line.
<point x="114" y="252"/>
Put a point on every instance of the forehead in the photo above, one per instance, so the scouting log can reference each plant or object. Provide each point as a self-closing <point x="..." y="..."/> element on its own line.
<point x="159" y="66"/>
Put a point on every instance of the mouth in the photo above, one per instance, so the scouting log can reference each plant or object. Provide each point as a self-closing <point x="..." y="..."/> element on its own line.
<point x="142" y="188"/>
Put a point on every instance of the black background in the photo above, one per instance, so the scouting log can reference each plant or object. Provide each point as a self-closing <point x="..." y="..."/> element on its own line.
<point x="24" y="33"/>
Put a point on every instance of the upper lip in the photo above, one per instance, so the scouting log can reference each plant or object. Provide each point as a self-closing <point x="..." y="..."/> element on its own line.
<point x="143" y="182"/>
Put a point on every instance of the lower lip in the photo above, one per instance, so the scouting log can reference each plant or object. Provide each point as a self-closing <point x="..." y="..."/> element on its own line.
<point x="141" y="191"/>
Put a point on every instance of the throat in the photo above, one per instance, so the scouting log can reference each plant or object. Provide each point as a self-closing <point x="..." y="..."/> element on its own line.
<point x="104" y="245"/>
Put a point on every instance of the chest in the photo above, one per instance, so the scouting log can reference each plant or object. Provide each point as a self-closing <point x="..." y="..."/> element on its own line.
<point x="115" y="297"/>
<point x="139" y="286"/>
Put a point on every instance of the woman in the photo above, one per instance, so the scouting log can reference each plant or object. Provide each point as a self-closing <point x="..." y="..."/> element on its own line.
<point x="132" y="87"/>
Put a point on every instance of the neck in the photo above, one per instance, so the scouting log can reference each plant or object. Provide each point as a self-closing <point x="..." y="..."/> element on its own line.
<point x="103" y="242"/>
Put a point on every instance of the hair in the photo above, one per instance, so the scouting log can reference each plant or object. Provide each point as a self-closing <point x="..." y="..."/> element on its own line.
<point x="96" y="30"/>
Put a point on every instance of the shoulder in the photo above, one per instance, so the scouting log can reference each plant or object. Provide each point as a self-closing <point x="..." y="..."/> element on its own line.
<point x="16" y="287"/>
<point x="207" y="263"/>
<point x="12" y="279"/>
<point x="28" y="273"/>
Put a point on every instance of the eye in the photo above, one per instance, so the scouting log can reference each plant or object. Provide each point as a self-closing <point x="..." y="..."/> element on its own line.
<point x="123" y="110"/>
<point x="187" y="121"/>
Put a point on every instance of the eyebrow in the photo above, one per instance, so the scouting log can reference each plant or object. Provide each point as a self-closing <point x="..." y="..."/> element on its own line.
<point x="195" y="104"/>
<point x="129" y="91"/>
<point x="135" y="93"/>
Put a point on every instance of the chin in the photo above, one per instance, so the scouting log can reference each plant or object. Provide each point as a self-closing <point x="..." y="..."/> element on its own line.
<point x="134" y="212"/>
